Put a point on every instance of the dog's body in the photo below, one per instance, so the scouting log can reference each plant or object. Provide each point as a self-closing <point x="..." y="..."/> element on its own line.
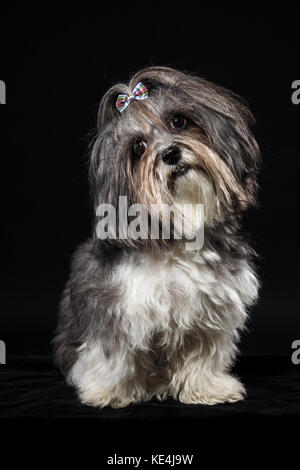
<point x="144" y="318"/>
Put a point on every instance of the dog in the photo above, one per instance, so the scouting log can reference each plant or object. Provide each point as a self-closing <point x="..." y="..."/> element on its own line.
<point x="143" y="317"/>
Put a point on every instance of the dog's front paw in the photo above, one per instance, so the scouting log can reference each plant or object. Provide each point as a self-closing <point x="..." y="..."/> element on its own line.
<point x="220" y="390"/>
<point x="101" y="401"/>
<point x="112" y="399"/>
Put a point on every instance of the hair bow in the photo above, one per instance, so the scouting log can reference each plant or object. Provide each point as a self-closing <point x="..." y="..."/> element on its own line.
<point x="140" y="92"/>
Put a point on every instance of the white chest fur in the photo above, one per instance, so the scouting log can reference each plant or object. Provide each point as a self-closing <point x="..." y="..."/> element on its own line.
<point x="182" y="290"/>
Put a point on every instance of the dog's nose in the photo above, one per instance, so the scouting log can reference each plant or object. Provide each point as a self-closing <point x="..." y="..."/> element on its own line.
<point x="171" y="155"/>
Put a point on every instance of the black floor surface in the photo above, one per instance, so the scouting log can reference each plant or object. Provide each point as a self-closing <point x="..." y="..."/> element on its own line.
<point x="31" y="388"/>
<point x="43" y="423"/>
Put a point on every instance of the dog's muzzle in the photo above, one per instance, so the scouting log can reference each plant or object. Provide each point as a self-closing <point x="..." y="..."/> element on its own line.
<point x="172" y="157"/>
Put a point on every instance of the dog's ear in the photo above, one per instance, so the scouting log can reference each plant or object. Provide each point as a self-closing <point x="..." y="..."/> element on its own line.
<point x="107" y="109"/>
<point x="228" y="122"/>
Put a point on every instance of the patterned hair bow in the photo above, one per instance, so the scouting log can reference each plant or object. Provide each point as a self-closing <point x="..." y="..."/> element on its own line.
<point x="140" y="92"/>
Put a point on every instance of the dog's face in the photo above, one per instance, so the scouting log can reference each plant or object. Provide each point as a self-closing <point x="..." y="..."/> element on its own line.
<point x="189" y="142"/>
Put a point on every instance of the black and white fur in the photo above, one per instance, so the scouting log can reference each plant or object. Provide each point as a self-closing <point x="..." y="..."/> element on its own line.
<point x="146" y="318"/>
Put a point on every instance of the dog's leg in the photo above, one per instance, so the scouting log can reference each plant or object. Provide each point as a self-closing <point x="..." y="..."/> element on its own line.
<point x="116" y="381"/>
<point x="200" y="372"/>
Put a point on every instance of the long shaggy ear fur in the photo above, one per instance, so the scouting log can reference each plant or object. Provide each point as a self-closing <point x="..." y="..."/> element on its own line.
<point x="107" y="109"/>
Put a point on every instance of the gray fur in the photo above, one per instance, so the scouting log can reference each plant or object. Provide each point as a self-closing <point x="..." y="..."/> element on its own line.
<point x="90" y="312"/>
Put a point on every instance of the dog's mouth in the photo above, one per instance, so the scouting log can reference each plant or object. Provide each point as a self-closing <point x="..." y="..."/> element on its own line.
<point x="179" y="170"/>
<point x="176" y="173"/>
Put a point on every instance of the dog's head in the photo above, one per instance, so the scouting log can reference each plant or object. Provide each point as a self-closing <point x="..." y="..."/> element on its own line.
<point x="188" y="142"/>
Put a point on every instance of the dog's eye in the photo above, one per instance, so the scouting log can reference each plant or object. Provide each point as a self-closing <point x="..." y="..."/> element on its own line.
<point x="139" y="147"/>
<point x="177" y="121"/>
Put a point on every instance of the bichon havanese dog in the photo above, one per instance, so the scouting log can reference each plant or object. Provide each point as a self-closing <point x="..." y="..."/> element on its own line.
<point x="145" y="312"/>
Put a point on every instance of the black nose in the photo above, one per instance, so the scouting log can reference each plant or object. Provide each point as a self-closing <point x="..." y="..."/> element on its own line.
<point x="171" y="155"/>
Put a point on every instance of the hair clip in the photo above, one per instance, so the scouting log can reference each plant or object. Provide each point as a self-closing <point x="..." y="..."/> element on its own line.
<point x="140" y="92"/>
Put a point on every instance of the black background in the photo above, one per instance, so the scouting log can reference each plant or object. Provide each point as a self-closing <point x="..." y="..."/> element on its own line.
<point x="57" y="64"/>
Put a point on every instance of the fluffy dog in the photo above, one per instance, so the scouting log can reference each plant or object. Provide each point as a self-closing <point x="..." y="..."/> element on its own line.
<point x="144" y="317"/>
